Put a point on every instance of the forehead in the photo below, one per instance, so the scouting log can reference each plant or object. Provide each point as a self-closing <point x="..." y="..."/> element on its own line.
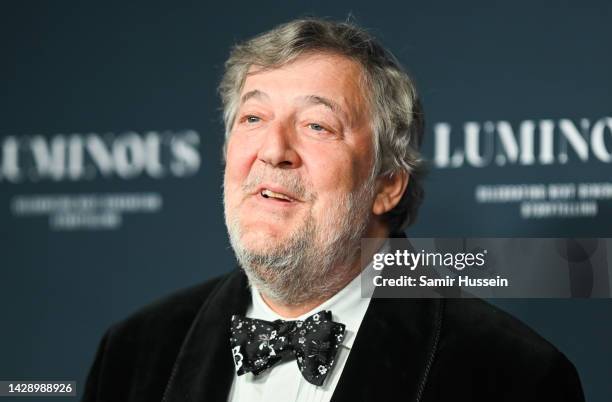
<point x="316" y="74"/>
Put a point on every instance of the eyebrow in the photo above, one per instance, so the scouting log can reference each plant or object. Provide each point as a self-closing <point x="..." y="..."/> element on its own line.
<point x="254" y="94"/>
<point x="309" y="100"/>
<point x="320" y="100"/>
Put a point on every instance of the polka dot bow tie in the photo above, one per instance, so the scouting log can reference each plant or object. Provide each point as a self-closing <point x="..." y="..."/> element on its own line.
<point x="258" y="345"/>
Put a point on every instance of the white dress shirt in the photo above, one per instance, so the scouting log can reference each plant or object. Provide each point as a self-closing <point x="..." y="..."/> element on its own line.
<point x="283" y="382"/>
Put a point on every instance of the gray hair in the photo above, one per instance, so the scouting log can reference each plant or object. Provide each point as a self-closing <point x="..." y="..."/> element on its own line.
<point x="397" y="116"/>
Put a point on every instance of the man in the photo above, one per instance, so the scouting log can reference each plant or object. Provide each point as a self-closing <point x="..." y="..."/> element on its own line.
<point x="323" y="129"/>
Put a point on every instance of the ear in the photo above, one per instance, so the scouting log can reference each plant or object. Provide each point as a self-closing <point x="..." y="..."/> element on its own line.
<point x="390" y="188"/>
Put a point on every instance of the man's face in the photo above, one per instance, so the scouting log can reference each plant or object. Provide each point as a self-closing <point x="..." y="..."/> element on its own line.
<point x="297" y="193"/>
<point x="301" y="141"/>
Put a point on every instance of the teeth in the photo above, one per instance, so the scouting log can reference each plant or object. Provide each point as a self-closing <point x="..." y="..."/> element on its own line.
<point x="269" y="193"/>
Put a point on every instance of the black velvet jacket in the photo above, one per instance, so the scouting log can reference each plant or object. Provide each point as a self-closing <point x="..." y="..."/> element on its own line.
<point x="177" y="350"/>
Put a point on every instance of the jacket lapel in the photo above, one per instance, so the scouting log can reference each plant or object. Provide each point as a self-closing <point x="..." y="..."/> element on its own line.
<point x="394" y="348"/>
<point x="204" y="368"/>
<point x="393" y="351"/>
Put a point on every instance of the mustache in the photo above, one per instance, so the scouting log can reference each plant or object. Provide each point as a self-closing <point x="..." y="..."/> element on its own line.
<point x="288" y="179"/>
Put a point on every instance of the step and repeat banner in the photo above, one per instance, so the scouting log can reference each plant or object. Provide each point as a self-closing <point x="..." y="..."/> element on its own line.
<point x="111" y="165"/>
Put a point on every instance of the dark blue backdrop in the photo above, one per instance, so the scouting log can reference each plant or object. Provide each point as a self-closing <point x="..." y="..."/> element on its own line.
<point x="121" y="99"/>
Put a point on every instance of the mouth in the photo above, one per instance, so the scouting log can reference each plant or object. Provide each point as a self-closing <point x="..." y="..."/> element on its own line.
<point x="267" y="193"/>
<point x="276" y="193"/>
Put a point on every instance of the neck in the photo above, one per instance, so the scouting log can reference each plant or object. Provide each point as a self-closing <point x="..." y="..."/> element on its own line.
<point x="291" y="311"/>
<point x="348" y="273"/>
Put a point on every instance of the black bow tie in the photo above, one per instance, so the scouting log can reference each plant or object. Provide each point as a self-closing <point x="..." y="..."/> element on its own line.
<point x="258" y="344"/>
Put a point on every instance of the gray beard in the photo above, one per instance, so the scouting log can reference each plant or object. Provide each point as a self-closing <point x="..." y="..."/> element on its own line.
<point x="316" y="261"/>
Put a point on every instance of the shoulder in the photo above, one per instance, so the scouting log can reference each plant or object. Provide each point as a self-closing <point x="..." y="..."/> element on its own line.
<point x="142" y="348"/>
<point x="475" y="328"/>
<point x="467" y="320"/>
<point x="481" y="344"/>
<point x="174" y="312"/>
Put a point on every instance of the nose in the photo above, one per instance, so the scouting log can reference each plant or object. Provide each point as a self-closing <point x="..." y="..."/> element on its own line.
<point x="277" y="148"/>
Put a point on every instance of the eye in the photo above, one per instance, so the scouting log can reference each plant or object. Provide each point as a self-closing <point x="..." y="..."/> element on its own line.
<point x="252" y="119"/>
<point x="317" y="127"/>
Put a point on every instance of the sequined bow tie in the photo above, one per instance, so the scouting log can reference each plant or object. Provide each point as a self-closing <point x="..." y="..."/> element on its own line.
<point x="257" y="344"/>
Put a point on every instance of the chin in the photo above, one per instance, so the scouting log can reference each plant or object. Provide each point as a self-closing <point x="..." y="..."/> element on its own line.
<point x="262" y="237"/>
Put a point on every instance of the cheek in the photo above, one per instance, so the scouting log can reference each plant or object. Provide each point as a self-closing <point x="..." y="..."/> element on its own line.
<point x="332" y="179"/>
<point x="337" y="172"/>
<point x="237" y="164"/>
